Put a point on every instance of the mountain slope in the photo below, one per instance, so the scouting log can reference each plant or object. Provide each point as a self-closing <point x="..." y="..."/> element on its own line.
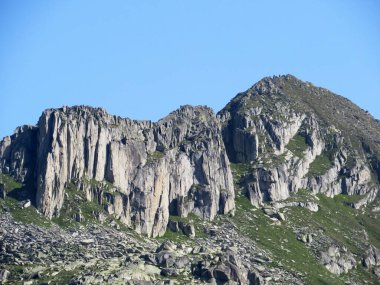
<point x="289" y="142"/>
<point x="280" y="187"/>
<point x="293" y="135"/>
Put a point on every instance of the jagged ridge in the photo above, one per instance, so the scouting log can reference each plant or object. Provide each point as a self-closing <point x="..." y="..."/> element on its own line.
<point x="175" y="166"/>
<point x="281" y="135"/>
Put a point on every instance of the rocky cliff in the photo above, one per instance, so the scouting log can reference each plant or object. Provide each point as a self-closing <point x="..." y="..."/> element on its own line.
<point x="289" y="135"/>
<point x="296" y="166"/>
<point x="176" y="166"/>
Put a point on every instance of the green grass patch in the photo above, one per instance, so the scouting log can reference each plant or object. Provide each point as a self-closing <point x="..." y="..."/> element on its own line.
<point x="297" y="145"/>
<point x="342" y="224"/>
<point x="320" y="165"/>
<point x="281" y="242"/>
<point x="302" y="195"/>
<point x="177" y="237"/>
<point x="24" y="215"/>
<point x="154" y="156"/>
<point x="193" y="219"/>
<point x="239" y="170"/>
<point x="9" y="182"/>
<point x="76" y="202"/>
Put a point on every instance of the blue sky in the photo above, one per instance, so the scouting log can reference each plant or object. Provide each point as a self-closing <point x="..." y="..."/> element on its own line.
<point x="143" y="59"/>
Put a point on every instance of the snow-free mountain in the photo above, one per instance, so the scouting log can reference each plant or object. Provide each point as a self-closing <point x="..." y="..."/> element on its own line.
<point x="279" y="187"/>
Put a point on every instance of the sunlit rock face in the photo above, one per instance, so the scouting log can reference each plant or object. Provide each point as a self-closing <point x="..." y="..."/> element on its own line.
<point x="283" y="131"/>
<point x="175" y="166"/>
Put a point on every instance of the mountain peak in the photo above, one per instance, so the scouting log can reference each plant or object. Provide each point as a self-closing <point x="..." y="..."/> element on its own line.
<point x="272" y="85"/>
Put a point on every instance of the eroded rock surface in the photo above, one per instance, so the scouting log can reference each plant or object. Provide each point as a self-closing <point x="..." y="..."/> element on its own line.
<point x="338" y="260"/>
<point x="175" y="166"/>
<point x="278" y="131"/>
<point x="103" y="178"/>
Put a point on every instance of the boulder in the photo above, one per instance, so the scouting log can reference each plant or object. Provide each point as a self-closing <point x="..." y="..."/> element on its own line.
<point x="281" y="216"/>
<point x="169" y="272"/>
<point x="26" y="204"/>
<point x="4" y="274"/>
<point x="173" y="226"/>
<point x="181" y="262"/>
<point x="87" y="241"/>
<point x="167" y="246"/>
<point x="372" y="257"/>
<point x="187" y="229"/>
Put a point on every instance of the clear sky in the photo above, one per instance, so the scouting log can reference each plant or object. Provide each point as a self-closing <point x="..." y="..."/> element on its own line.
<point x="142" y="59"/>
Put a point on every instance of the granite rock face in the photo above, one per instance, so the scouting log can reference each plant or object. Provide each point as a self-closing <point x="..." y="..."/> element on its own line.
<point x="175" y="166"/>
<point x="337" y="260"/>
<point x="281" y="136"/>
<point x="372" y="257"/>
<point x="100" y="176"/>
<point x="18" y="154"/>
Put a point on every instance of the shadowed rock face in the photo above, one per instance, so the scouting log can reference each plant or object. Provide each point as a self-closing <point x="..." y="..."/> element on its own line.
<point x="18" y="154"/>
<point x="291" y="135"/>
<point x="175" y="166"/>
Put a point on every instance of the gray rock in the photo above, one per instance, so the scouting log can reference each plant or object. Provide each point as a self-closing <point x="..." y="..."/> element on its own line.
<point x="370" y="197"/>
<point x="254" y="278"/>
<point x="173" y="226"/>
<point x="175" y="166"/>
<point x="26" y="204"/>
<point x="269" y="211"/>
<point x="187" y="229"/>
<point x="167" y="246"/>
<point x="281" y="216"/>
<point x="376" y="271"/>
<point x="149" y="258"/>
<point x="221" y="274"/>
<point x="312" y="206"/>
<point x="196" y="250"/>
<point x="181" y="262"/>
<point x="169" y="272"/>
<point x="87" y="241"/>
<point x="337" y="260"/>
<point x="372" y="257"/>
<point x="114" y="225"/>
<point x="4" y="274"/>
<point x="258" y="128"/>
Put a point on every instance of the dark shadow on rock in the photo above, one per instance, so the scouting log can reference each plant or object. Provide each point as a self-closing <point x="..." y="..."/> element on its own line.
<point x="22" y="194"/>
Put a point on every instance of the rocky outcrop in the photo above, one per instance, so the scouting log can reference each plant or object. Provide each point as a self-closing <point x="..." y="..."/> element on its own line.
<point x="311" y="206"/>
<point x="372" y="257"/>
<point x="286" y="144"/>
<point x="175" y="166"/>
<point x="368" y="198"/>
<point x="337" y="260"/>
<point x="110" y="174"/>
<point x="187" y="229"/>
<point x="4" y="274"/>
<point x="179" y="165"/>
<point x="18" y="154"/>
<point x="228" y="271"/>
